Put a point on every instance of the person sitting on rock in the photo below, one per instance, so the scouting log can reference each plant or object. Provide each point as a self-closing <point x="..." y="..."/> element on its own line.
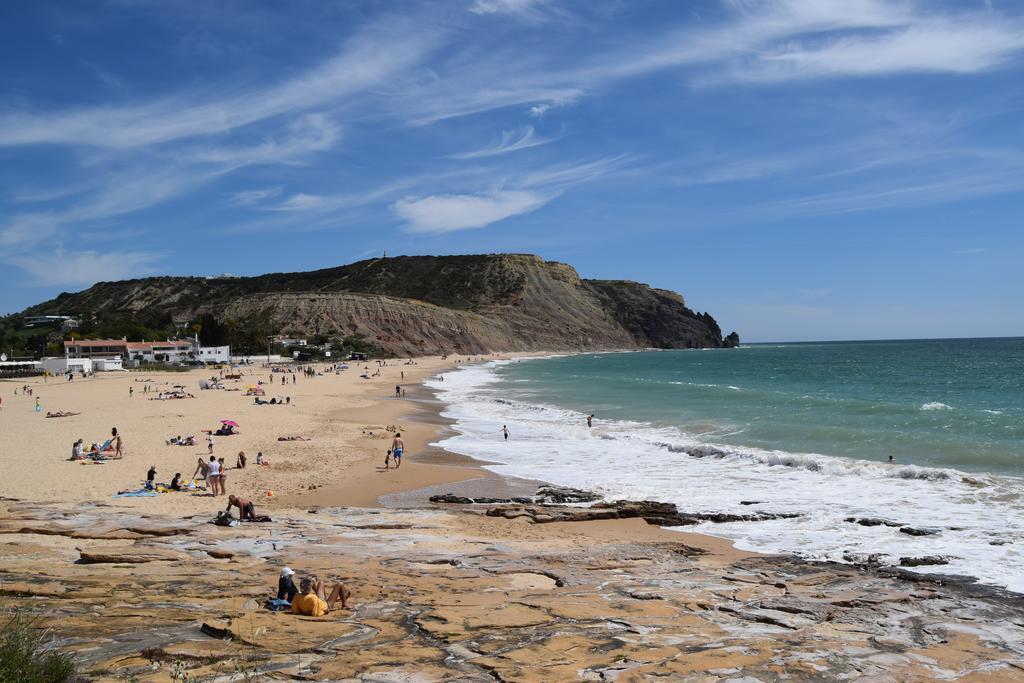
<point x="286" y="589"/>
<point x="312" y="602"/>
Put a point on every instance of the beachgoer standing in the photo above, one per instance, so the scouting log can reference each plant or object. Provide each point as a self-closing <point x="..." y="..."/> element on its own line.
<point x="213" y="474"/>
<point x="504" y="430"/>
<point x="397" y="449"/>
<point x="117" y="442"/>
<point x="131" y="391"/>
<point x="223" y="476"/>
<point x="39" y="406"/>
<point x="398" y="391"/>
<point x="151" y="478"/>
<point x="209" y="443"/>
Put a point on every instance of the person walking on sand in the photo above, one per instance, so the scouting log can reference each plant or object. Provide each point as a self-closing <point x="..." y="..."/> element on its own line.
<point x="398" y="391"/>
<point x="387" y="460"/>
<point x="209" y="443"/>
<point x="117" y="442"/>
<point x="397" y="449"/>
<point x="39" y="406"/>
<point x="504" y="430"/>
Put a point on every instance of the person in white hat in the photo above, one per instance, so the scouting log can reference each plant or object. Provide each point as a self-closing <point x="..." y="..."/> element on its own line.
<point x="286" y="589"/>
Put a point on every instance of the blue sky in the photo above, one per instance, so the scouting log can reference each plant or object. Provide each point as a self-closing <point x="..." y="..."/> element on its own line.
<point x="815" y="169"/>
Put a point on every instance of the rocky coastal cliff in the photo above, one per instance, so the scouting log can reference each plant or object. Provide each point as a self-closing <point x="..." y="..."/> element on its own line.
<point x="416" y="305"/>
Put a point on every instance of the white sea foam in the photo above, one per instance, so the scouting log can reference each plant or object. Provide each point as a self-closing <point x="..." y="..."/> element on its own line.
<point x="935" y="405"/>
<point x="623" y="459"/>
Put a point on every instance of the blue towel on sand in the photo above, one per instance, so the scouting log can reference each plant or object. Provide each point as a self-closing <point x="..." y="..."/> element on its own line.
<point x="141" y="493"/>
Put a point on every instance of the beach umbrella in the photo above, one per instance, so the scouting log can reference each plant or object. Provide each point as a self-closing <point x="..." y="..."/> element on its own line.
<point x="229" y="423"/>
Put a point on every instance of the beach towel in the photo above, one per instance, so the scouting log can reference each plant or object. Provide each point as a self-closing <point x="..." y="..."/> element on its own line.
<point x="276" y="605"/>
<point x="141" y="493"/>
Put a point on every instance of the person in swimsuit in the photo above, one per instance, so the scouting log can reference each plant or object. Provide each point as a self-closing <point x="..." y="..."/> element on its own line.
<point x="397" y="449"/>
<point x="201" y="468"/>
<point x="504" y="430"/>
<point x="590" y="420"/>
<point x="117" y="442"/>
<point x="213" y="474"/>
<point x="223" y="476"/>
<point x="176" y="482"/>
<point x="246" y="510"/>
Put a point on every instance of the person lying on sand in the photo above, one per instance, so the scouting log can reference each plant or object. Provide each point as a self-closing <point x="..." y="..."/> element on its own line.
<point x="292" y="438"/>
<point x="60" y="413"/>
<point x="312" y="602"/>
<point x="246" y="510"/>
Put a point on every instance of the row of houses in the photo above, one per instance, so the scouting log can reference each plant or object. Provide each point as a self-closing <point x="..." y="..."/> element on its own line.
<point x="170" y="351"/>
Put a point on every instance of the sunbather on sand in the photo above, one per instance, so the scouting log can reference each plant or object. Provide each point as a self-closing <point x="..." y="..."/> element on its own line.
<point x="292" y="438"/>
<point x="60" y="413"/>
<point x="313" y="603"/>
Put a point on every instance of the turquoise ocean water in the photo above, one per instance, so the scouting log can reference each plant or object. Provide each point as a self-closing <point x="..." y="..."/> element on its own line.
<point x="804" y="428"/>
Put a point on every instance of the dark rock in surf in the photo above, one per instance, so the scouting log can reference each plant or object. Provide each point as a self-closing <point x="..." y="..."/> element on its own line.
<point x="925" y="561"/>
<point x="913" y="531"/>
<point x="872" y="521"/>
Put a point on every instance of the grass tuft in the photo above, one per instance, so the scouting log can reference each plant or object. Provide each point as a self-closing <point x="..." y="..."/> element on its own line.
<point x="27" y="654"/>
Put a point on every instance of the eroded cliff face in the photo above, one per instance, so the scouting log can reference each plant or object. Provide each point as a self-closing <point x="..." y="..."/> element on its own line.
<point x="422" y="305"/>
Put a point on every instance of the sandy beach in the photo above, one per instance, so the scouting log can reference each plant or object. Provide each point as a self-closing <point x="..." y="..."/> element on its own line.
<point x="456" y="592"/>
<point x="344" y="419"/>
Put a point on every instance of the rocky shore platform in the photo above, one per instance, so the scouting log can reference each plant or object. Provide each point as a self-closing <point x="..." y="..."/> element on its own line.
<point x="464" y="593"/>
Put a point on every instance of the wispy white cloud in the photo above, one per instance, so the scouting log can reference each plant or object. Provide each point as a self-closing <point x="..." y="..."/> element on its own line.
<point x="523" y="8"/>
<point x="511" y="141"/>
<point x="250" y="197"/>
<point x="359" y="65"/>
<point x="444" y="213"/>
<point x="298" y="202"/>
<point x="309" y="134"/>
<point x="62" y="267"/>
<point x="757" y="42"/>
<point x="511" y="195"/>
<point x="950" y="46"/>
